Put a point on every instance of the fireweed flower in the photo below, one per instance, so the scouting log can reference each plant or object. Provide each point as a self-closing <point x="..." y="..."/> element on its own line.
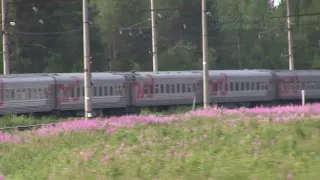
<point x="280" y="114"/>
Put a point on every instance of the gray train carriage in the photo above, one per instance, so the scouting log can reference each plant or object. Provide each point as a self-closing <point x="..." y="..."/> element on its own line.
<point x="165" y="88"/>
<point x="26" y="93"/>
<point x="108" y="92"/>
<point x="241" y="86"/>
<point x="290" y="84"/>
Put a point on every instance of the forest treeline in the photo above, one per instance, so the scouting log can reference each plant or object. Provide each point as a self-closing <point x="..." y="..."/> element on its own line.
<point x="246" y="34"/>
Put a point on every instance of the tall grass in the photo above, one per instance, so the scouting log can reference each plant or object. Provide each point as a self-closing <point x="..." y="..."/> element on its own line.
<point x="260" y="143"/>
<point x="200" y="148"/>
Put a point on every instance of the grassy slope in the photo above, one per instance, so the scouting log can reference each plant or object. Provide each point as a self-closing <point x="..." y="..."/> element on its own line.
<point x="191" y="149"/>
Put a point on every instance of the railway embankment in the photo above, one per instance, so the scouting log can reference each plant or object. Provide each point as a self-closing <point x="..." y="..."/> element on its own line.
<point x="257" y="143"/>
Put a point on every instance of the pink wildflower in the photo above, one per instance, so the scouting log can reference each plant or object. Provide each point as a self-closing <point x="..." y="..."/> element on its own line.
<point x="170" y="153"/>
<point x="189" y="154"/>
<point x="111" y="130"/>
<point x="289" y="176"/>
<point x="279" y="114"/>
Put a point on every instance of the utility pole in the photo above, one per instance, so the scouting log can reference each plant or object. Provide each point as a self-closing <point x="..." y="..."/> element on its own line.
<point x="291" y="60"/>
<point x="205" y="72"/>
<point x="86" y="54"/>
<point x="154" y="38"/>
<point x="5" y="37"/>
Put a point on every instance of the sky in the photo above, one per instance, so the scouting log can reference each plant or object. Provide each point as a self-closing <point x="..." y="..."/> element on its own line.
<point x="276" y="2"/>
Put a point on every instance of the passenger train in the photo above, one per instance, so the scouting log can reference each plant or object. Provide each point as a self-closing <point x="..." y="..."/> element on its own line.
<point x="127" y="92"/>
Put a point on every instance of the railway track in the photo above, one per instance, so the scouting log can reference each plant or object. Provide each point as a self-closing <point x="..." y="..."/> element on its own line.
<point x="26" y="127"/>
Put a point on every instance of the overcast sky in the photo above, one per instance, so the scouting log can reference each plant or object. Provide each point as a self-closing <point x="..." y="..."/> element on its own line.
<point x="276" y="2"/>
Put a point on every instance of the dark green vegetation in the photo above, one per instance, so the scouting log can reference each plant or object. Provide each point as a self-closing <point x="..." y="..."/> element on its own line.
<point x="12" y="120"/>
<point x="190" y="149"/>
<point x="241" y="35"/>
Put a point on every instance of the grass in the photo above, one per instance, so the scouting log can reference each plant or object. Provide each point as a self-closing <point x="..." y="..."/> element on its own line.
<point x="169" y="111"/>
<point x="196" y="148"/>
<point x="12" y="120"/>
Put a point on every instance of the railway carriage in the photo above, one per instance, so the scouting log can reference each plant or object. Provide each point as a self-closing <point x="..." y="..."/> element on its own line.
<point x="108" y="92"/>
<point x="28" y="93"/>
<point x="290" y="84"/>
<point x="120" y="92"/>
<point x="165" y="88"/>
<point x="241" y="86"/>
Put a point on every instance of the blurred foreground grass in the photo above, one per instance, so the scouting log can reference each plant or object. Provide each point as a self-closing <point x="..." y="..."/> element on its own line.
<point x="199" y="148"/>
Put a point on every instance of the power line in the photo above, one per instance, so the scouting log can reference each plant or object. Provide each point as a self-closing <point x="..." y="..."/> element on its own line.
<point x="41" y="1"/>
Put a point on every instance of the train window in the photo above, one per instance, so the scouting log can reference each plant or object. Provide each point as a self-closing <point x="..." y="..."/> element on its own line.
<point x="16" y="94"/>
<point x="73" y="94"/>
<point x="173" y="88"/>
<point x="261" y="85"/>
<point x="111" y="91"/>
<point x="168" y="88"/>
<point x="194" y="87"/>
<point x="116" y="90"/>
<point x="105" y="91"/>
<point x="41" y="92"/>
<point x="162" y="88"/>
<point x="297" y="85"/>
<point x="95" y="90"/>
<point x="156" y="89"/>
<point x="188" y="88"/>
<point x="151" y="89"/>
<point x="78" y="92"/>
<point x="6" y="95"/>
<point x="21" y="94"/>
<point x="28" y="93"/>
<point x="178" y="88"/>
<point x="236" y="86"/>
<point x="100" y="91"/>
<point x="183" y="88"/>
<point x="145" y="90"/>
<point x="45" y="93"/>
<point x="252" y="86"/>
<point x="221" y="87"/>
<point x="266" y="85"/>
<point x="12" y="94"/>
<point x="25" y="94"/>
<point x="258" y="85"/>
<point x="215" y="87"/>
<point x="313" y="85"/>
<point x="242" y="86"/>
<point x="247" y="86"/>
<point x="231" y="86"/>
<point x="226" y="87"/>
<point x="34" y="93"/>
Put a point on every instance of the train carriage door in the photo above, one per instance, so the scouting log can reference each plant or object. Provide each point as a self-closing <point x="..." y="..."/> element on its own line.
<point x="128" y="90"/>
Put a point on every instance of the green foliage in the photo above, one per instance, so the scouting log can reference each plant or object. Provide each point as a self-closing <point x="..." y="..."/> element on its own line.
<point x="192" y="149"/>
<point x="12" y="120"/>
<point x="240" y="35"/>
